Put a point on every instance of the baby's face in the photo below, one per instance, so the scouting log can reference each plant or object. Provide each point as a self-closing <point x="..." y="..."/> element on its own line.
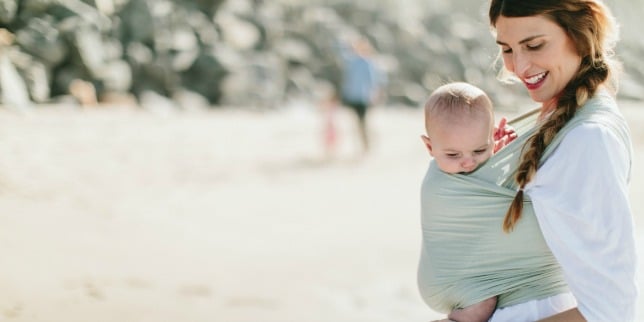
<point x="460" y="147"/>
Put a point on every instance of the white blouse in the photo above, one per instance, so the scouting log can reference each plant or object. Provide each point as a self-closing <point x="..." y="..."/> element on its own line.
<point x="580" y="197"/>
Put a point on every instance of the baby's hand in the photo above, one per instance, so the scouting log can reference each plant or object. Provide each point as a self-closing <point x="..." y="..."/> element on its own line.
<point x="503" y="134"/>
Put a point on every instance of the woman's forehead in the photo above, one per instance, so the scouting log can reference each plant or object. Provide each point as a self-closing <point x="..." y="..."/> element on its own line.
<point x="520" y="29"/>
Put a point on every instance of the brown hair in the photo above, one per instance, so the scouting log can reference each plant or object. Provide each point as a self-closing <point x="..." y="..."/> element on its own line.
<point x="592" y="29"/>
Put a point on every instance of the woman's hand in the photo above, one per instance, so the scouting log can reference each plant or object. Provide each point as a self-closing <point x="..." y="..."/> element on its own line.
<point x="503" y="134"/>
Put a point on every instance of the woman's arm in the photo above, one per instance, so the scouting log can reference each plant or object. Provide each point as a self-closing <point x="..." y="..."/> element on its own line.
<point x="580" y="198"/>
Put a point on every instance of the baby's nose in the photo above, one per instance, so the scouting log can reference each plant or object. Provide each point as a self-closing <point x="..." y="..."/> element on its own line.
<point x="468" y="163"/>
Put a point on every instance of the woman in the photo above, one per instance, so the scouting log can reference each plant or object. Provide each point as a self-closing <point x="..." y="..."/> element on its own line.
<point x="574" y="167"/>
<point x="561" y="51"/>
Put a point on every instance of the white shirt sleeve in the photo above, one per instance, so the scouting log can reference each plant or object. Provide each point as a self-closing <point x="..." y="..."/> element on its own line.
<point x="580" y="197"/>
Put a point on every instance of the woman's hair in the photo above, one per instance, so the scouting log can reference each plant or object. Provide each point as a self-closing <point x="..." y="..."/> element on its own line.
<point x="591" y="27"/>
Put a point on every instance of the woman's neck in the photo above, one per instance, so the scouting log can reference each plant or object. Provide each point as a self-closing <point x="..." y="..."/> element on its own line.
<point x="547" y="108"/>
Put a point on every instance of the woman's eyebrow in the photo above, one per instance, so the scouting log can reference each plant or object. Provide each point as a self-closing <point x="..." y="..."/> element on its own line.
<point x="522" y="41"/>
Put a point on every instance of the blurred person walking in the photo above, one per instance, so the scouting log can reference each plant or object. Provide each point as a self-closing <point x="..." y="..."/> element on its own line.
<point x="362" y="83"/>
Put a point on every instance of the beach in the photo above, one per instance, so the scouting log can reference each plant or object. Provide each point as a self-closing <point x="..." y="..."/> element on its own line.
<point x="115" y="213"/>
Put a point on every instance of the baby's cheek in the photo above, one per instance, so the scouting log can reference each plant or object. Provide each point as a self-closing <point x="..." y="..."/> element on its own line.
<point x="450" y="166"/>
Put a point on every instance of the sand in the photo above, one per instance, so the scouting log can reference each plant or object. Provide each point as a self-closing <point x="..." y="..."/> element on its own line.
<point x="118" y="214"/>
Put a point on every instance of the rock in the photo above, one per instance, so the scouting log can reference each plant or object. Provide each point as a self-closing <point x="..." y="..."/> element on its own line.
<point x="14" y="90"/>
<point x="8" y="10"/>
<point x="251" y="52"/>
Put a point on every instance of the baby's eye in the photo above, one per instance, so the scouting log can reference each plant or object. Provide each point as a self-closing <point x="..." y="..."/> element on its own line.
<point x="481" y="151"/>
<point x="452" y="155"/>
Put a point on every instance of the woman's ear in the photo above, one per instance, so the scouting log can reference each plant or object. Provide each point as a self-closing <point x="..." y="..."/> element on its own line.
<point x="428" y="143"/>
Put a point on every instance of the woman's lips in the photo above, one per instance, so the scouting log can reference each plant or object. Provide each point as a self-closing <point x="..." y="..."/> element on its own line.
<point x="535" y="81"/>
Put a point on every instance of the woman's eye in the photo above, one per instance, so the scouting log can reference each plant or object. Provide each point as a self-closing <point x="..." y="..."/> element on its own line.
<point x="534" y="46"/>
<point x="506" y="50"/>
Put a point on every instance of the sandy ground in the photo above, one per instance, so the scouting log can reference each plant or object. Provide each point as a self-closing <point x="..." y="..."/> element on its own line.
<point x="116" y="214"/>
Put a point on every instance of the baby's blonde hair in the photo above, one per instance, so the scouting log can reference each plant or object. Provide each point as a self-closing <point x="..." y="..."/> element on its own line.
<point x="456" y="101"/>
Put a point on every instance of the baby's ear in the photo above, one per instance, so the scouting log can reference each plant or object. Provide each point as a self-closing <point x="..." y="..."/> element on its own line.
<point x="427" y="142"/>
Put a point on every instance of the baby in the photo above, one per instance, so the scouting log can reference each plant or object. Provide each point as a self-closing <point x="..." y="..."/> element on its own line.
<point x="459" y="122"/>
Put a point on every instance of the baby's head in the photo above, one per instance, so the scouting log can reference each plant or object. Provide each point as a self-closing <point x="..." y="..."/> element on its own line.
<point x="459" y="122"/>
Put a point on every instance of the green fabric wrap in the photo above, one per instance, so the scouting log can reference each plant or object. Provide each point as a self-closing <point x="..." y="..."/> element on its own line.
<point x="465" y="255"/>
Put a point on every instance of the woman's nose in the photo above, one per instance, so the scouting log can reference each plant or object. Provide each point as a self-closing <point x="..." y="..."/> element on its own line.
<point x="520" y="63"/>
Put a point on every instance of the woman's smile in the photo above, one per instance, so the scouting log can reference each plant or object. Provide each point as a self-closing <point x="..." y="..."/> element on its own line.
<point x="535" y="81"/>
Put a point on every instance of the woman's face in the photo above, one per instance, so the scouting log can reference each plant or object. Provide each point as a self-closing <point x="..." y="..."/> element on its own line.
<point x="539" y="53"/>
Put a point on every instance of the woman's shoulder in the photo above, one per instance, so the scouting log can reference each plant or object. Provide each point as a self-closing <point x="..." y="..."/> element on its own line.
<point x="602" y="101"/>
<point x="587" y="133"/>
<point x="599" y="115"/>
<point x="597" y="128"/>
<point x="597" y="142"/>
<point x="597" y="123"/>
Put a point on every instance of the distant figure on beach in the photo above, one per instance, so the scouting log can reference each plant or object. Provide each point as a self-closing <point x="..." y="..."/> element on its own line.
<point x="362" y="83"/>
<point x="329" y="108"/>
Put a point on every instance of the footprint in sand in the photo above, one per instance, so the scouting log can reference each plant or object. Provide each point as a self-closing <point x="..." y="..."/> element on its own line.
<point x="13" y="311"/>
<point x="93" y="291"/>
<point x="195" y="290"/>
<point x="251" y="301"/>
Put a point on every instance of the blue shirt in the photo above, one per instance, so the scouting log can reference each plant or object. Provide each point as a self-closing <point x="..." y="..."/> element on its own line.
<point x="361" y="79"/>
